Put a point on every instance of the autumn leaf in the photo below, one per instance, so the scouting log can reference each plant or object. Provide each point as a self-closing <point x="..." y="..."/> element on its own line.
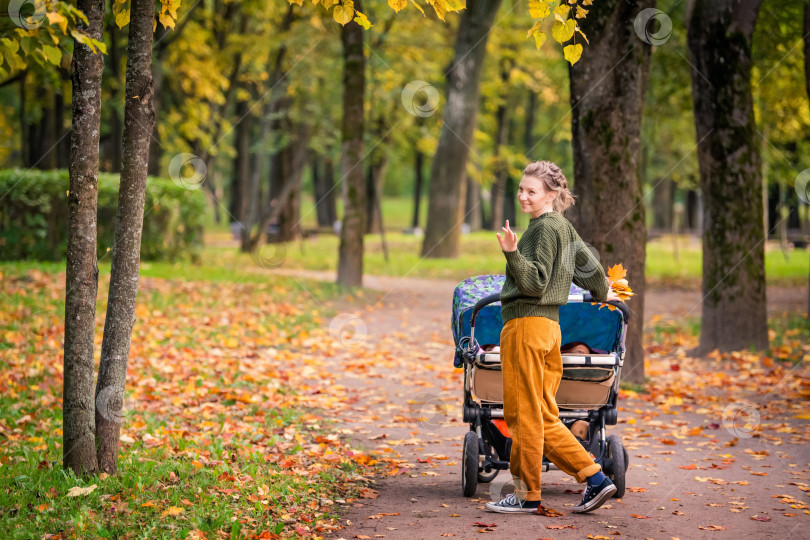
<point x="539" y="9"/>
<point x="548" y="512"/>
<point x="539" y="37"/>
<point x="617" y="277"/>
<point x="78" y="491"/>
<point x="362" y="20"/>
<point x="563" y="31"/>
<point x="344" y="13"/>
<point x="572" y="53"/>
<point x="172" y="511"/>
<point x="57" y="19"/>
<point x="397" y="5"/>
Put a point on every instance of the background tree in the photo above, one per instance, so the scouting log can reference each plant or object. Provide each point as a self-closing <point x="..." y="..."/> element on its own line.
<point x="734" y="311"/>
<point x="607" y="99"/>
<point x="447" y="179"/>
<point x="81" y="281"/>
<point x="350" y="263"/>
<point x="139" y="118"/>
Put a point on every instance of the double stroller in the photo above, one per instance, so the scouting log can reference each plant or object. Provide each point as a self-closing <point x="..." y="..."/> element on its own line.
<point x="588" y="391"/>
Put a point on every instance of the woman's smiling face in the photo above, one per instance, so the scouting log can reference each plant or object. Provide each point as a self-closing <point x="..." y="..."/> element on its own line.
<point x="533" y="196"/>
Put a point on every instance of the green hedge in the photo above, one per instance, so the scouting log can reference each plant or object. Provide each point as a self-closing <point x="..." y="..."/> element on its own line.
<point x="34" y="216"/>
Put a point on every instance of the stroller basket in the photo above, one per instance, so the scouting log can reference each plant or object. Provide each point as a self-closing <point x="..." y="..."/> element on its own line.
<point x="582" y="386"/>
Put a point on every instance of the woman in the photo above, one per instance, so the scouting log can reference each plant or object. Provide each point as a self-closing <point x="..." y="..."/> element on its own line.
<point x="539" y="272"/>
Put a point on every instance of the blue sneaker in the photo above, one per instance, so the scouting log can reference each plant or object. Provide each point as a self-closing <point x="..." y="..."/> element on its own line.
<point x="511" y="504"/>
<point x="595" y="496"/>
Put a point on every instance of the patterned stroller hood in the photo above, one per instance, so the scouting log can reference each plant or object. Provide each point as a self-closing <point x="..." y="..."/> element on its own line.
<point x="599" y="328"/>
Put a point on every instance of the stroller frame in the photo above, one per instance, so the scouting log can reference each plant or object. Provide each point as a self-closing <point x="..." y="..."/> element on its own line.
<point x="485" y="447"/>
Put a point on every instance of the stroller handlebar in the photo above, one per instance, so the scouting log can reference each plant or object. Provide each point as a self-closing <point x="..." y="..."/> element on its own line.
<point x="621" y="306"/>
<point x="586" y="297"/>
<point x="485" y="301"/>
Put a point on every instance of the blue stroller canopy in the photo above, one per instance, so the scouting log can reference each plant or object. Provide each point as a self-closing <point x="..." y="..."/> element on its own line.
<point x="579" y="321"/>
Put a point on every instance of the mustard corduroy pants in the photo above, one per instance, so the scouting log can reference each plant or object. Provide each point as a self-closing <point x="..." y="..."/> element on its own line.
<point x="532" y="370"/>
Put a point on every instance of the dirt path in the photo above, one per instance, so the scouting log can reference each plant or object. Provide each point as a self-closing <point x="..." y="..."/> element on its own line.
<point x="683" y="481"/>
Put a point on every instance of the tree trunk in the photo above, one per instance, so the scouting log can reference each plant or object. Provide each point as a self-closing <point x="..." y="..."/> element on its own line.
<point x="24" y="146"/>
<point x="472" y="206"/>
<point x="509" y="198"/>
<point x="323" y="181"/>
<point x="139" y="119"/>
<point x="417" y="190"/>
<point x="501" y="137"/>
<point x="528" y="130"/>
<point x="377" y="170"/>
<point x="607" y="99"/>
<point x="378" y="164"/>
<point x="663" y="204"/>
<point x="448" y="185"/>
<point x="294" y="159"/>
<point x="116" y="126"/>
<point x="256" y="197"/>
<point x="692" y="212"/>
<point x="350" y="261"/>
<point x="734" y="311"/>
<point x="155" y="146"/>
<point x="81" y="281"/>
<point x="287" y="168"/>
<point x="237" y="204"/>
<point x="46" y="138"/>
<point x="63" y="146"/>
<point x="806" y="34"/>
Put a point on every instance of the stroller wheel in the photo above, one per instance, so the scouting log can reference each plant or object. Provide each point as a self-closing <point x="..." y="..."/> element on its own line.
<point x="469" y="464"/>
<point x="487" y="477"/>
<point x="619" y="460"/>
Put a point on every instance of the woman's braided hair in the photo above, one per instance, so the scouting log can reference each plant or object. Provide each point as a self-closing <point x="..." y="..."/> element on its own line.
<point x="554" y="180"/>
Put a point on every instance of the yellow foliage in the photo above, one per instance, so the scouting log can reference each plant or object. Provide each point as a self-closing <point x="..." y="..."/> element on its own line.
<point x="345" y="13"/>
<point x="397" y="5"/>
<point x="572" y="53"/>
<point x="563" y="31"/>
<point x="539" y="9"/>
<point x="362" y="20"/>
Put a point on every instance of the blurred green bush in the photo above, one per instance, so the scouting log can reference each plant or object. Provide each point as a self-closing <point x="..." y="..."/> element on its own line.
<point x="34" y="216"/>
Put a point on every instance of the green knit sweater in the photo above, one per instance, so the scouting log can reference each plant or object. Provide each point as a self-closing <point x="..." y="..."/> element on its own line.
<point x="549" y="256"/>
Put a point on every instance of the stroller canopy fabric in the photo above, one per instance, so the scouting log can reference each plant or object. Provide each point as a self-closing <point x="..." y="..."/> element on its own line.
<point x="579" y="321"/>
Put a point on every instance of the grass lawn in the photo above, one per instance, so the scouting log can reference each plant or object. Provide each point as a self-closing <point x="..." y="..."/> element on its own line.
<point x="670" y="263"/>
<point x="223" y="436"/>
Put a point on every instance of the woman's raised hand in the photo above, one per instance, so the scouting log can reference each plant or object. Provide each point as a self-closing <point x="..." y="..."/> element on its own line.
<point x="508" y="241"/>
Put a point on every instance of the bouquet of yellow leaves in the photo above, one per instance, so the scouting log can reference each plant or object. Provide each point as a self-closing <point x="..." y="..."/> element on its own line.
<point x="618" y="282"/>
